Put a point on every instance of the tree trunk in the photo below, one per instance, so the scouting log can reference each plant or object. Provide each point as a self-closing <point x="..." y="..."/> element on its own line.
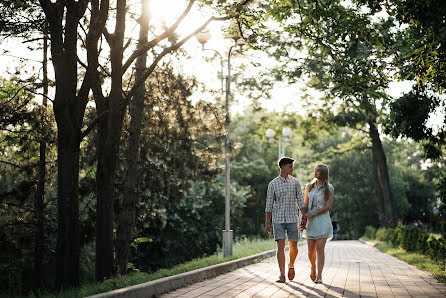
<point x="69" y="108"/>
<point x="127" y="215"/>
<point x="381" y="179"/>
<point x="40" y="193"/>
<point x="68" y="234"/>
<point x="109" y="131"/>
<point x="104" y="206"/>
<point x="69" y="114"/>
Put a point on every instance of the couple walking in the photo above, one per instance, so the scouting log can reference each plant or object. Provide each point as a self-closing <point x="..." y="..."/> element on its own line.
<point x="284" y="196"/>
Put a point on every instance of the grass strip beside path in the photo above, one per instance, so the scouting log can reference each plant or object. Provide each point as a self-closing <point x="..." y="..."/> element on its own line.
<point x="418" y="260"/>
<point x="241" y="249"/>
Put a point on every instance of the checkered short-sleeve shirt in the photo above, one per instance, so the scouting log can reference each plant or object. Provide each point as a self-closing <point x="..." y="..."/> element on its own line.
<point x="283" y="198"/>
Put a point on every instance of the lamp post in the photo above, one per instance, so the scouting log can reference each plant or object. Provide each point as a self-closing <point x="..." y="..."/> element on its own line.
<point x="286" y="133"/>
<point x="203" y="37"/>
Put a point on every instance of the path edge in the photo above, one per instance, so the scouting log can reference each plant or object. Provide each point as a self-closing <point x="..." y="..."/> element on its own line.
<point x="167" y="284"/>
<point x="367" y="242"/>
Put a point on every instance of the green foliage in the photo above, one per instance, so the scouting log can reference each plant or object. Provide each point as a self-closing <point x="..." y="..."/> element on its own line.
<point x="370" y="232"/>
<point x="23" y="125"/>
<point x="190" y="227"/>
<point x="414" y="240"/>
<point x="241" y="248"/>
<point x="420" y="261"/>
<point x="21" y="17"/>
<point x="382" y="235"/>
<point x="441" y="188"/>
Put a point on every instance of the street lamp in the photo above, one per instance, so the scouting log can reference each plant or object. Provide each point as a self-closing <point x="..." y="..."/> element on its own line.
<point x="286" y="133"/>
<point x="203" y="37"/>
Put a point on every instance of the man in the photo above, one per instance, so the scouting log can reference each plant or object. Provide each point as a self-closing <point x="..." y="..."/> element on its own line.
<point x="283" y="196"/>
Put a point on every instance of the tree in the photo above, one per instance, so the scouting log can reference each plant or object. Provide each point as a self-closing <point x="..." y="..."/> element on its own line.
<point x="111" y="110"/>
<point x="23" y="127"/>
<point x="179" y="152"/>
<point x="22" y="19"/>
<point x="69" y="107"/>
<point x="419" y="56"/>
<point x="347" y="54"/>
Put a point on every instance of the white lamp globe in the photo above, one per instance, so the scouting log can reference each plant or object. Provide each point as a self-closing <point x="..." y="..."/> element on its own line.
<point x="287" y="132"/>
<point x="269" y="133"/>
<point x="204" y="36"/>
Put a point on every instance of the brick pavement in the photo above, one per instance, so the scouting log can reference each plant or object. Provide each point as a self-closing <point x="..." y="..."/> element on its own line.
<point x="352" y="269"/>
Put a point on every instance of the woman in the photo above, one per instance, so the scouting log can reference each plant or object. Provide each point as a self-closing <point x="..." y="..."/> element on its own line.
<point x="318" y="199"/>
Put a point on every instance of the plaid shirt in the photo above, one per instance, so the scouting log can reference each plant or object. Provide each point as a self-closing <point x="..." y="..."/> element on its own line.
<point x="282" y="199"/>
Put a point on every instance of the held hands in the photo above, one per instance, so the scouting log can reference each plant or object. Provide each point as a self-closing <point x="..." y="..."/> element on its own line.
<point x="307" y="216"/>
<point x="303" y="224"/>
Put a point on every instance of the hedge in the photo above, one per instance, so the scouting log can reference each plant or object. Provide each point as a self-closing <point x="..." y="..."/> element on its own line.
<point x="413" y="240"/>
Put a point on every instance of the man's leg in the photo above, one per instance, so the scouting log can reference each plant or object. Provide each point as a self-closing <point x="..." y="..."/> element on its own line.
<point x="281" y="255"/>
<point x="280" y="236"/>
<point x="293" y="252"/>
<point x="312" y="257"/>
<point x="293" y="255"/>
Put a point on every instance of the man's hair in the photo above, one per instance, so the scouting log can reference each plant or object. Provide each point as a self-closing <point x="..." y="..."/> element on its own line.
<point x="284" y="161"/>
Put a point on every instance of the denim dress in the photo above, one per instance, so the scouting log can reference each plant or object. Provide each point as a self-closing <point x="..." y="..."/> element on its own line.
<point x="318" y="226"/>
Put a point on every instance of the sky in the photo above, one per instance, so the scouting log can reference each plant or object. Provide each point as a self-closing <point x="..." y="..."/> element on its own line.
<point x="166" y="12"/>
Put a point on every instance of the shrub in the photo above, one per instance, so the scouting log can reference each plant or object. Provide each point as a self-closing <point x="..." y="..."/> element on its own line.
<point x="382" y="234"/>
<point x="370" y="232"/>
<point x="421" y="242"/>
<point x="414" y="240"/>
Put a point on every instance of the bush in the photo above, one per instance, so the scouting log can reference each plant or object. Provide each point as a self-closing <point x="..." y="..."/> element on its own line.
<point x="382" y="235"/>
<point x="421" y="242"/>
<point x="370" y="232"/>
<point x="414" y="240"/>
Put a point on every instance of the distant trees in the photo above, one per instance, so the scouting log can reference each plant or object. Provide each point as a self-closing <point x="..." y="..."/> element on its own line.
<point x="346" y="60"/>
<point x="25" y="225"/>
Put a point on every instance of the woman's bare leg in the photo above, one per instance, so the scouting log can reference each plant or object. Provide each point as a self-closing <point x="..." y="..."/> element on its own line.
<point x="312" y="257"/>
<point x="320" y="256"/>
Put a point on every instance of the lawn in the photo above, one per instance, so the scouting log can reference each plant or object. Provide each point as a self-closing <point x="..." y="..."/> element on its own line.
<point x="418" y="260"/>
<point x="241" y="249"/>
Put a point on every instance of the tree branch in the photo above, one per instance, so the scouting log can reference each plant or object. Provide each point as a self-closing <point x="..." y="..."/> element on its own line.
<point x="143" y="49"/>
<point x="169" y="50"/>
<point x="41" y="94"/>
<point x="10" y="163"/>
<point x="92" y="125"/>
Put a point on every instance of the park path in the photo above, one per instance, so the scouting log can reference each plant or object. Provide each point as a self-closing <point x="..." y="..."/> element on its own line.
<point x="352" y="269"/>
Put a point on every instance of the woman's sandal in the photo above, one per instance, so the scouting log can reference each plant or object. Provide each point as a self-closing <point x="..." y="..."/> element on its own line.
<point x="318" y="280"/>
<point x="281" y="279"/>
<point x="313" y="273"/>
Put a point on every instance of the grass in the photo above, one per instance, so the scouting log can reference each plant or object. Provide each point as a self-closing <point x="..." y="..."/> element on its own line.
<point x="241" y="249"/>
<point x="418" y="260"/>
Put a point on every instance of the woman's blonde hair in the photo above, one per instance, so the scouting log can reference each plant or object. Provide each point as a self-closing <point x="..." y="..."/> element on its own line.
<point x="324" y="176"/>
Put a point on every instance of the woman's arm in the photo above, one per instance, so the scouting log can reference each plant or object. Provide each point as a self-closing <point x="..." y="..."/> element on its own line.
<point x="325" y="209"/>
<point x="303" y="222"/>
<point x="306" y="197"/>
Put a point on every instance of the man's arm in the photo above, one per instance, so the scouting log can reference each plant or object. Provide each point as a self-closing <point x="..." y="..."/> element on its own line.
<point x="269" y="208"/>
<point x="300" y="199"/>
<point x="268" y="223"/>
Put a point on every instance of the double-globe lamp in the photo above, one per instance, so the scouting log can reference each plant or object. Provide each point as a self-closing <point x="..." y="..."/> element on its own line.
<point x="203" y="37"/>
<point x="286" y="134"/>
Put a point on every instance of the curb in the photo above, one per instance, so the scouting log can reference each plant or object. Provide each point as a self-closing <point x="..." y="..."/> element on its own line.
<point x="166" y="284"/>
<point x="367" y="242"/>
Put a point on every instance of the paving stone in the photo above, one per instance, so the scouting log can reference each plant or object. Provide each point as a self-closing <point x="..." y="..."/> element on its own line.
<point x="352" y="269"/>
